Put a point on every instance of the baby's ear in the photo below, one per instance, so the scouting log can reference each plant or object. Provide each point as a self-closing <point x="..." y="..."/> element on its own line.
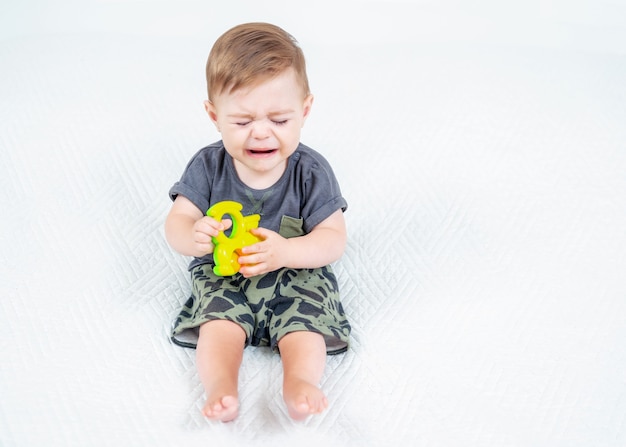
<point x="212" y="112"/>
<point x="308" y="103"/>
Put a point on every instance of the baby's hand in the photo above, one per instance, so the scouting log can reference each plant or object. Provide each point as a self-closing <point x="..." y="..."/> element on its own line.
<point x="206" y="228"/>
<point x="266" y="256"/>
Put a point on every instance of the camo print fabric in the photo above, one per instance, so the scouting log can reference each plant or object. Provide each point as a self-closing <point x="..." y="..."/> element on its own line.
<point x="267" y="307"/>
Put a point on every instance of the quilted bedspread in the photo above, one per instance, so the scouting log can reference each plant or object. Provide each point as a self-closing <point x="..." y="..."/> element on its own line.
<point x="484" y="274"/>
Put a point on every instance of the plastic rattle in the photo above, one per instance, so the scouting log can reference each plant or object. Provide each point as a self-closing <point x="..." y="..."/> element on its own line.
<point x="228" y="248"/>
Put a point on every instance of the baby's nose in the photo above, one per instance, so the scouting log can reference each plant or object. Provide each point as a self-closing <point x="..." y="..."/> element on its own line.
<point x="260" y="129"/>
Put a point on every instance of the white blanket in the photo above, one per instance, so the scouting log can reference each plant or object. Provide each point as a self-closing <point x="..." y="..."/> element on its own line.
<point x="484" y="275"/>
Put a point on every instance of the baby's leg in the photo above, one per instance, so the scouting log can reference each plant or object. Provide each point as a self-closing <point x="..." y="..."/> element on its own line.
<point x="218" y="358"/>
<point x="304" y="357"/>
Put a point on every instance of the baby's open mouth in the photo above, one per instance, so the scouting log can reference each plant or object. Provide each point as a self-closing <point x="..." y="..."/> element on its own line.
<point x="262" y="151"/>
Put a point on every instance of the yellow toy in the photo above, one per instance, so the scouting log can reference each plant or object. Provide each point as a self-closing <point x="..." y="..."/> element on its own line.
<point x="228" y="248"/>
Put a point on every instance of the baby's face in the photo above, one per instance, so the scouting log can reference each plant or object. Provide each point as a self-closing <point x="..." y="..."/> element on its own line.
<point x="261" y="126"/>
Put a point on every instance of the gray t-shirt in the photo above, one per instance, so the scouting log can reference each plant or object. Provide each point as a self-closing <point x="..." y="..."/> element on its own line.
<point x="305" y="195"/>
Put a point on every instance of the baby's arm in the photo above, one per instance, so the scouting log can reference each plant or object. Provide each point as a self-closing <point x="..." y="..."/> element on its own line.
<point x="188" y="231"/>
<point x="322" y="246"/>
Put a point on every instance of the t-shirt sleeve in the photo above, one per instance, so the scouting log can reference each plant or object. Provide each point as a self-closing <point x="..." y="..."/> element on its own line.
<point x="194" y="184"/>
<point x="322" y="194"/>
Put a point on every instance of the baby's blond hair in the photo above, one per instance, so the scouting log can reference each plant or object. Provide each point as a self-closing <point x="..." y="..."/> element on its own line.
<point x="252" y="53"/>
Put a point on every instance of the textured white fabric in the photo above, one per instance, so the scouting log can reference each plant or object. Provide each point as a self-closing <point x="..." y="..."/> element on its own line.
<point x="483" y="275"/>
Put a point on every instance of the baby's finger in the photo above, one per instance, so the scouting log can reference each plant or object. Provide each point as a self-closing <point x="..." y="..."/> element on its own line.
<point x="209" y="226"/>
<point x="249" y="260"/>
<point x="206" y="248"/>
<point x="260" y="232"/>
<point x="248" y="271"/>
<point x="200" y="237"/>
<point x="254" y="248"/>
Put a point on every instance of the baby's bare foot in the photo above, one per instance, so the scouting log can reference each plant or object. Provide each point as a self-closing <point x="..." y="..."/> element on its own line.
<point x="224" y="409"/>
<point x="303" y="399"/>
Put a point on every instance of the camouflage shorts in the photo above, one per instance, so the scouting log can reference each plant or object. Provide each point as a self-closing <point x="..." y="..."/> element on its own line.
<point x="267" y="307"/>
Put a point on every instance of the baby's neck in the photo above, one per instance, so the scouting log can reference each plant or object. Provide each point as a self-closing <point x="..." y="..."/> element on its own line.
<point x="259" y="180"/>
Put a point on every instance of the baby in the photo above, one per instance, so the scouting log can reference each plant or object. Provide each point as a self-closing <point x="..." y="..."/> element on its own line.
<point x="285" y="295"/>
